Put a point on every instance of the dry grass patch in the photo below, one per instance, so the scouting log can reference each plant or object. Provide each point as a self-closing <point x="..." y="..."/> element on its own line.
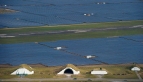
<point x="114" y="71"/>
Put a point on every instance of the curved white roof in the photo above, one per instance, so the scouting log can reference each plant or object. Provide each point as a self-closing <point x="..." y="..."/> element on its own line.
<point x="135" y="69"/>
<point x="98" y="72"/>
<point x="74" y="71"/>
<point x="22" y="71"/>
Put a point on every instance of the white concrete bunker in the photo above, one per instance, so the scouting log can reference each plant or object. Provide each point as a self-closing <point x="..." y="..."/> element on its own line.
<point x="69" y="69"/>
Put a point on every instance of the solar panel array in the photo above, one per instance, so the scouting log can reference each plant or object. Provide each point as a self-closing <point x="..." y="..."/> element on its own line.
<point x="54" y="12"/>
<point x="125" y="49"/>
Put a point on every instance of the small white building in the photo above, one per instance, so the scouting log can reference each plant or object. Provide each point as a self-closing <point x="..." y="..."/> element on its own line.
<point x="135" y="69"/>
<point x="69" y="69"/>
<point x="90" y="56"/>
<point x="22" y="71"/>
<point x="100" y="72"/>
<point x="60" y="48"/>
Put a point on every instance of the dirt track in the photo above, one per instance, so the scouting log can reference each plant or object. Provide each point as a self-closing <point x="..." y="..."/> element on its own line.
<point x="72" y="79"/>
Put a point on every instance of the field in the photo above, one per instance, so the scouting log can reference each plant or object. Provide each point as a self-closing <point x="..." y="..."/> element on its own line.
<point x="75" y="31"/>
<point x="97" y="30"/>
<point x="59" y="81"/>
<point x="71" y="27"/>
<point x="122" y="71"/>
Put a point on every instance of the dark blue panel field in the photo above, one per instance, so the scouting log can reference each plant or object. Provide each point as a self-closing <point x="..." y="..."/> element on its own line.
<point x="111" y="50"/>
<point x="55" y="12"/>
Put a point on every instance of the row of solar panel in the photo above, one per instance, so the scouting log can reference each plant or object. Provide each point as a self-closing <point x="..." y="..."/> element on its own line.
<point x="53" y="15"/>
<point x="105" y="49"/>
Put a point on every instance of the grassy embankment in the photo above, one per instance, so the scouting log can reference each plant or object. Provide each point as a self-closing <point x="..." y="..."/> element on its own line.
<point x="114" y="71"/>
<point x="53" y="37"/>
<point x="3" y="11"/>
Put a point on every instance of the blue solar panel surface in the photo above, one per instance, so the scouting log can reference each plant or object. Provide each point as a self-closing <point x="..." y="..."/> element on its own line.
<point x="123" y="49"/>
<point x="55" y="12"/>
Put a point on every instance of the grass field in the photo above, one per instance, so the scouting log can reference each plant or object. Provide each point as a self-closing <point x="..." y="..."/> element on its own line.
<point x="69" y="36"/>
<point x="114" y="71"/>
<point x="58" y="81"/>
<point x="71" y="27"/>
<point x="54" y="37"/>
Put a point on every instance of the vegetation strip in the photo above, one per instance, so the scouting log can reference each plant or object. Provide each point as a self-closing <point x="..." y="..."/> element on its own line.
<point x="3" y="11"/>
<point x="71" y="27"/>
<point x="54" y="37"/>
<point x="124" y="28"/>
<point x="118" y="71"/>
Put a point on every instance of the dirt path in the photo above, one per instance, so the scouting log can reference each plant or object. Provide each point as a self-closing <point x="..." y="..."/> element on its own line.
<point x="138" y="76"/>
<point x="72" y="79"/>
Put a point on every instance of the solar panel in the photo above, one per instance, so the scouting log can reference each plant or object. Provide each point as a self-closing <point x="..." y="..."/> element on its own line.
<point x="54" y="12"/>
<point x="105" y="49"/>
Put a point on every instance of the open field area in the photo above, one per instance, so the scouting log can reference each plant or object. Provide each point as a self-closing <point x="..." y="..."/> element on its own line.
<point x="121" y="71"/>
<point x="72" y="27"/>
<point x="71" y="41"/>
<point x="43" y="73"/>
<point x="77" y="31"/>
<point x="61" y="81"/>
<point x="54" y="37"/>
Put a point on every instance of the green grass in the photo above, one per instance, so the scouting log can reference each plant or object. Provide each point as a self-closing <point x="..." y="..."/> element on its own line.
<point x="5" y="72"/>
<point x="58" y="81"/>
<point x="141" y="72"/>
<point x="120" y="72"/>
<point x="69" y="36"/>
<point x="42" y="72"/>
<point x="113" y="71"/>
<point x="51" y="72"/>
<point x="39" y="72"/>
<point x="71" y="27"/>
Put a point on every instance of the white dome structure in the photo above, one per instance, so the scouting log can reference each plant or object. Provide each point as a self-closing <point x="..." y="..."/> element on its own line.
<point x="135" y="69"/>
<point x="70" y="69"/>
<point x="22" y="71"/>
